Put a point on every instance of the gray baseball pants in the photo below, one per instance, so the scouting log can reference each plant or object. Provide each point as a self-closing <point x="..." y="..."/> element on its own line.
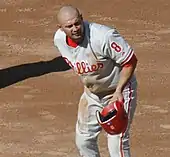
<point x="88" y="129"/>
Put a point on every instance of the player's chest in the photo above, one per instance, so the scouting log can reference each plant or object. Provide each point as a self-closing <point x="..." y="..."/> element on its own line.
<point x="83" y="60"/>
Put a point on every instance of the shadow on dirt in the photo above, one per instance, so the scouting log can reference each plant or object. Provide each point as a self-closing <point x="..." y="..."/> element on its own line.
<point x="21" y="72"/>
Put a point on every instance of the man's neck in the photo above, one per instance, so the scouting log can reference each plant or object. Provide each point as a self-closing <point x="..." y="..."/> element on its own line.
<point x="71" y="42"/>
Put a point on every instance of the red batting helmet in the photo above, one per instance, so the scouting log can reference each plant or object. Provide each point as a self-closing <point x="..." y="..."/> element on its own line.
<point x="113" y="118"/>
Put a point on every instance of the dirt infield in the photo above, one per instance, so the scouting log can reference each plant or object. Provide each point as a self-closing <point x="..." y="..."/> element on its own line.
<point x="39" y="96"/>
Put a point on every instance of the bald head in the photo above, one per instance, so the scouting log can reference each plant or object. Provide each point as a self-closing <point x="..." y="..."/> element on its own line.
<point x="71" y="23"/>
<point x="66" y="13"/>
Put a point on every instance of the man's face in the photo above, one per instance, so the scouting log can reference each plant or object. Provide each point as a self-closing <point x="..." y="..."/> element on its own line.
<point x="73" y="27"/>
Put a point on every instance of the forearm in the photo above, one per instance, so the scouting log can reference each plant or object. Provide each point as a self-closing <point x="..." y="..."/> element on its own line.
<point x="125" y="76"/>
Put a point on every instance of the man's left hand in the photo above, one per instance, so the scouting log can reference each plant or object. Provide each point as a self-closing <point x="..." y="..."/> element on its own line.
<point x="117" y="96"/>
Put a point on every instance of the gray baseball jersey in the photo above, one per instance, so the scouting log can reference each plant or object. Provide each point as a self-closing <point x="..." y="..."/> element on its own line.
<point x="99" y="58"/>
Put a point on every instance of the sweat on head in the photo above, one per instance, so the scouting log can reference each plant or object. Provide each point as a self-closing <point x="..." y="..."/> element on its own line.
<point x="67" y="12"/>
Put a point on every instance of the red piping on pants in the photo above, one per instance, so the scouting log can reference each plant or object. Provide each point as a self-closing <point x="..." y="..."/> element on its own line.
<point x="121" y="140"/>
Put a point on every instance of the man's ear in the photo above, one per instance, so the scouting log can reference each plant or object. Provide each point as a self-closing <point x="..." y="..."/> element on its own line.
<point x="59" y="26"/>
<point x="81" y="17"/>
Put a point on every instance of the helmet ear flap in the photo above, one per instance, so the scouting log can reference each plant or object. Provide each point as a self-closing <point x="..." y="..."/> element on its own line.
<point x="100" y="118"/>
<point x="113" y="118"/>
<point x="104" y="119"/>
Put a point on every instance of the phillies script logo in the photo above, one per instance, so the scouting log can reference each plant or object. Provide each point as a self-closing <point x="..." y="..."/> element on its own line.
<point x="84" y="67"/>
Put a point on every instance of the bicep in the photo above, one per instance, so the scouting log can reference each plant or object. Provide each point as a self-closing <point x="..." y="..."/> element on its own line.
<point x="117" y="48"/>
<point x="132" y="62"/>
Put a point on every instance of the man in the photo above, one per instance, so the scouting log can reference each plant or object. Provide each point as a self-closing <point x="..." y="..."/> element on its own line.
<point x="105" y="63"/>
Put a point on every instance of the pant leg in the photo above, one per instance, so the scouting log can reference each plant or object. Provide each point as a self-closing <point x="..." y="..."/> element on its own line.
<point x="118" y="145"/>
<point x="87" y="127"/>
